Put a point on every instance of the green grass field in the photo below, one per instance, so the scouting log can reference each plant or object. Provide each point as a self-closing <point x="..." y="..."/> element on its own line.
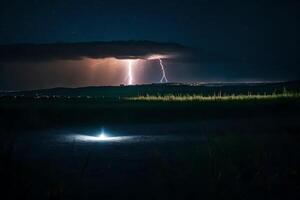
<point x="215" y="97"/>
<point x="40" y="111"/>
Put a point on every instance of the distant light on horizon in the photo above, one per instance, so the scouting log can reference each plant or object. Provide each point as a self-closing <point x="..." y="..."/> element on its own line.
<point x="103" y="136"/>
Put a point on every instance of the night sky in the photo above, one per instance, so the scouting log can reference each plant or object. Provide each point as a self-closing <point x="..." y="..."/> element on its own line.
<point x="232" y="40"/>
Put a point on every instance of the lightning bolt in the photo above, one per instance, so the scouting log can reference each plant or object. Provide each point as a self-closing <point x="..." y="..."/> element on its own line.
<point x="129" y="77"/>
<point x="163" y="72"/>
<point x="129" y="73"/>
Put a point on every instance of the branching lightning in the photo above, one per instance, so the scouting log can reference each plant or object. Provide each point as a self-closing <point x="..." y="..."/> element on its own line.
<point x="163" y="72"/>
<point x="130" y="76"/>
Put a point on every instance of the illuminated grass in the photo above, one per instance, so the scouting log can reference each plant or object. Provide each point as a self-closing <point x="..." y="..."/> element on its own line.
<point x="219" y="97"/>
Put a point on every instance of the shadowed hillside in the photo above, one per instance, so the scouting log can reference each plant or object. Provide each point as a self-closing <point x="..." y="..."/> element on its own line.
<point x="171" y="88"/>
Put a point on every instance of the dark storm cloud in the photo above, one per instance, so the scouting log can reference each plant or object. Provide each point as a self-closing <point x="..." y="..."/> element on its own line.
<point x="77" y="51"/>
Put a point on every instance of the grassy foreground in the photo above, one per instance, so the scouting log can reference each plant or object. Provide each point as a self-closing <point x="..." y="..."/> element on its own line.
<point x="60" y="111"/>
<point x="218" y="97"/>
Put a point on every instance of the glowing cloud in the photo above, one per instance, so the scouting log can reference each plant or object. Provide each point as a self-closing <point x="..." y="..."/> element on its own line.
<point x="160" y="56"/>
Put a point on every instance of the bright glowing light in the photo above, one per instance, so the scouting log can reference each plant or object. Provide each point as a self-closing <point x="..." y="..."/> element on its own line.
<point x="163" y="72"/>
<point x="102" y="136"/>
<point x="129" y="139"/>
<point x="158" y="56"/>
<point x="87" y="138"/>
<point x="129" y="74"/>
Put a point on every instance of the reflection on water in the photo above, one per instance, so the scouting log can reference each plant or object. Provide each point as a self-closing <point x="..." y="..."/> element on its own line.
<point x="73" y="143"/>
<point x="124" y="139"/>
<point x="126" y="136"/>
<point x="101" y="138"/>
<point x="99" y="158"/>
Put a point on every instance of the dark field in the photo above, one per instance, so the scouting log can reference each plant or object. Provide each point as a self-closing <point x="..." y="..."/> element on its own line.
<point x="241" y="149"/>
